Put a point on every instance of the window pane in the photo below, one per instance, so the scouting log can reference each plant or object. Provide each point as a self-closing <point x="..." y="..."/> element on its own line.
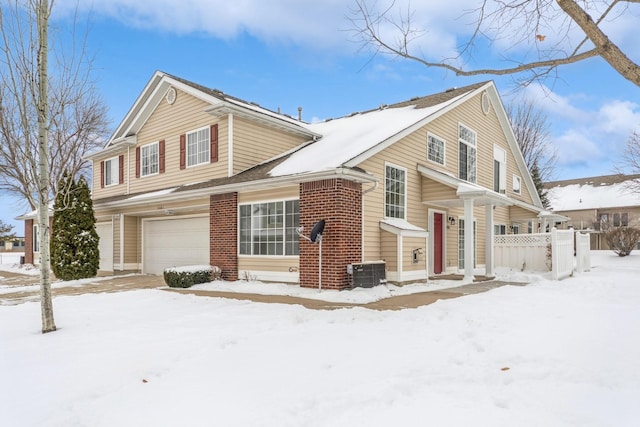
<point x="395" y="182"/>
<point x="435" y="149"/>
<point x="198" y="147"/>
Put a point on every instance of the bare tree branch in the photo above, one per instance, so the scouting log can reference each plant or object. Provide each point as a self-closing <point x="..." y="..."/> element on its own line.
<point x="537" y="16"/>
<point x="77" y="115"/>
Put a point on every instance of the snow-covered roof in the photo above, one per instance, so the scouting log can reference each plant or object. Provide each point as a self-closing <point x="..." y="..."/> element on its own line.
<point x="345" y="138"/>
<point x="591" y="194"/>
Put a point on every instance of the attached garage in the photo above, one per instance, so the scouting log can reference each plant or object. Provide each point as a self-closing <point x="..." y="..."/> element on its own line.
<point x="174" y="242"/>
<point x="105" y="232"/>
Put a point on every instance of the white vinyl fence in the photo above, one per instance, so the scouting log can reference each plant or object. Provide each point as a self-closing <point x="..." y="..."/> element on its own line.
<point x="552" y="251"/>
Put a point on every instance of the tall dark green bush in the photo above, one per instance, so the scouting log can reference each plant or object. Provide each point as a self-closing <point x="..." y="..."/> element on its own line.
<point x="74" y="240"/>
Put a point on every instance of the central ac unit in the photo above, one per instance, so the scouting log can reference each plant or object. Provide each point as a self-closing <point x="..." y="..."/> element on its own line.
<point x="368" y="274"/>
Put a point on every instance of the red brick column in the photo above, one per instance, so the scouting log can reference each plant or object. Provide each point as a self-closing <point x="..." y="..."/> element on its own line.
<point x="28" y="241"/>
<point x="223" y="234"/>
<point x="339" y="203"/>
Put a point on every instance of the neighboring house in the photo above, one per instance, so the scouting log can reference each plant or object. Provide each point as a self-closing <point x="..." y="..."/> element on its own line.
<point x="195" y="176"/>
<point x="596" y="203"/>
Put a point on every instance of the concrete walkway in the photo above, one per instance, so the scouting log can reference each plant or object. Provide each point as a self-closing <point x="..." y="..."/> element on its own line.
<point x="27" y="289"/>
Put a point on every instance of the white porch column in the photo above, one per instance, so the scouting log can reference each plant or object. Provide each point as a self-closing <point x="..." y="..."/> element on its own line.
<point x="469" y="255"/>
<point x="488" y="261"/>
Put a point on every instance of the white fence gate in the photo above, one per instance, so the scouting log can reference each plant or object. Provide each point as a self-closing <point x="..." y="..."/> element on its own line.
<point x="543" y="252"/>
<point x="583" y="251"/>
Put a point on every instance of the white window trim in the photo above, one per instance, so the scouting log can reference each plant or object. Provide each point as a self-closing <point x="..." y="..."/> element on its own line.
<point x="186" y="141"/>
<point x="519" y="190"/>
<point x="256" y="202"/>
<point x="142" y="174"/>
<point x="406" y="186"/>
<point x="117" y="172"/>
<point x="444" y="149"/>
<point x="475" y="146"/>
<point x="500" y="155"/>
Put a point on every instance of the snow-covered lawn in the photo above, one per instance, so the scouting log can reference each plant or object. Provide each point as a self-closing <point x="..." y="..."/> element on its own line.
<point x="548" y="354"/>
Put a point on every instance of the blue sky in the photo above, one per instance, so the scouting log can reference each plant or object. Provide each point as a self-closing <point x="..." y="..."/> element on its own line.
<point x="290" y="53"/>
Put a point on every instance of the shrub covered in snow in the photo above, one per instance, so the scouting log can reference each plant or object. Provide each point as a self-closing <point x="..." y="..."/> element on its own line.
<point x="74" y="240"/>
<point x="187" y="276"/>
<point x="622" y="240"/>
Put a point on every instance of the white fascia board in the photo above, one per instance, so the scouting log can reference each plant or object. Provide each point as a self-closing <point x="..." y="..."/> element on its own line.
<point x="118" y="146"/>
<point x="263" y="184"/>
<point x="225" y="107"/>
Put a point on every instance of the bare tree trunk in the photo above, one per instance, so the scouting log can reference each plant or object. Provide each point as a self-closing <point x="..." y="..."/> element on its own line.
<point x="46" y="304"/>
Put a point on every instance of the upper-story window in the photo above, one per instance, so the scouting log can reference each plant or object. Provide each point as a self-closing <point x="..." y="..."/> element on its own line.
<point x="435" y="149"/>
<point x="149" y="159"/>
<point x="395" y="190"/>
<point x="517" y="184"/>
<point x="467" y="147"/>
<point x="499" y="170"/>
<point x="111" y="171"/>
<point x="198" y="146"/>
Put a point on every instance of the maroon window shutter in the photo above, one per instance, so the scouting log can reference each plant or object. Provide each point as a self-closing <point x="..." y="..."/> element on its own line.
<point x="161" y="156"/>
<point x="214" y="143"/>
<point x="137" y="162"/>
<point x="102" y="174"/>
<point x="121" y="169"/>
<point x="183" y="151"/>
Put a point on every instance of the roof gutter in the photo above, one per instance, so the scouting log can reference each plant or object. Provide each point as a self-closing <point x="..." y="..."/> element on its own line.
<point x="262" y="184"/>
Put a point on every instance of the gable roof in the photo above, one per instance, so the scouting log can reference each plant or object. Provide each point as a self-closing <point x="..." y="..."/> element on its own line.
<point x="598" y="192"/>
<point x="350" y="140"/>
<point x="219" y="104"/>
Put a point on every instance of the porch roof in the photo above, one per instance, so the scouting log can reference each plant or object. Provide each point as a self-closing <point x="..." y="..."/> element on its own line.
<point x="400" y="227"/>
<point x="464" y="190"/>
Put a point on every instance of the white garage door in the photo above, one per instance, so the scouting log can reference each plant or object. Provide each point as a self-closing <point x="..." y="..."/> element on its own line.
<point x="105" y="232"/>
<point x="174" y="242"/>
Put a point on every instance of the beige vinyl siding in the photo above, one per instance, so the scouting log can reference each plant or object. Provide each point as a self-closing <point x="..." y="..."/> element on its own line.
<point x="432" y="190"/>
<point x="131" y="242"/>
<point x="112" y="190"/>
<point x="116" y="243"/>
<point x="167" y="123"/>
<point x="388" y="251"/>
<point x="276" y="264"/>
<point x="254" y="143"/>
<point x="409" y="244"/>
<point x="283" y="193"/>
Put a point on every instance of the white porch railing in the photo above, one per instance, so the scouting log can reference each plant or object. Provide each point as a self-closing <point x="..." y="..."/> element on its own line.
<point x="543" y="252"/>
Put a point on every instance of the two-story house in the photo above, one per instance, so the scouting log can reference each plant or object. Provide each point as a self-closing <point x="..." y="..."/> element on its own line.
<point x="195" y="176"/>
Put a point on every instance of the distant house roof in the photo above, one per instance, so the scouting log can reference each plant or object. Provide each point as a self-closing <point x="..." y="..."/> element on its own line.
<point x="598" y="192"/>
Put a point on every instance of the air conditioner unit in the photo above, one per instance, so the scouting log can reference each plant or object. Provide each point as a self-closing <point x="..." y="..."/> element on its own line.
<point x="368" y="274"/>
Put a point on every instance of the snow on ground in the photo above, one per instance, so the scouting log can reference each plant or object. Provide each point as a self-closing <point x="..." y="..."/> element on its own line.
<point x="551" y="353"/>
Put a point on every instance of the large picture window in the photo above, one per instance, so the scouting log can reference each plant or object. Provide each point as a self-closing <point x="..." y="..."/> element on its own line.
<point x="269" y="228"/>
<point x="198" y="146"/>
<point x="395" y="192"/>
<point x="467" y="147"/>
<point x="149" y="159"/>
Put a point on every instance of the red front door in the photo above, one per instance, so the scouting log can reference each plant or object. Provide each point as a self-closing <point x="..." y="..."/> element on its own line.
<point x="437" y="243"/>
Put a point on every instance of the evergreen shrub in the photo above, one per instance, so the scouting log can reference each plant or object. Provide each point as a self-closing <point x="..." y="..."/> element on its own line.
<point x="187" y="276"/>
